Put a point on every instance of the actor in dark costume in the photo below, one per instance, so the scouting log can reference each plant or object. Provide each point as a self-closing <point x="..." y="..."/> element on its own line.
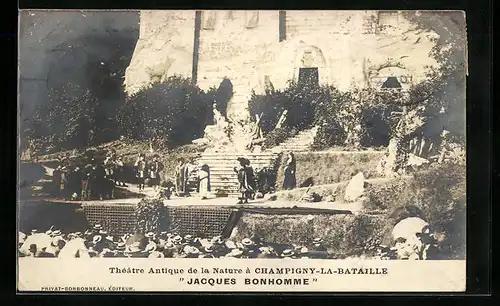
<point x="141" y="167"/>
<point x="245" y="179"/>
<point x="289" y="181"/>
<point x="181" y="175"/>
<point x="98" y="181"/>
<point x="120" y="172"/>
<point x="86" y="186"/>
<point x="155" y="168"/>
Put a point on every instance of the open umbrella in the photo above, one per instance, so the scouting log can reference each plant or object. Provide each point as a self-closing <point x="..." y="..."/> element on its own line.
<point x="407" y="228"/>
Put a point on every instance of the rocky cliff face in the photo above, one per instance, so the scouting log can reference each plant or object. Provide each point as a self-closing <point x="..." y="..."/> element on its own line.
<point x="80" y="47"/>
<point x="350" y="49"/>
<point x="355" y="48"/>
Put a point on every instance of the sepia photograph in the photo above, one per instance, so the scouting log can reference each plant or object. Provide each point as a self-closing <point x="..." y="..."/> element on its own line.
<point x="312" y="136"/>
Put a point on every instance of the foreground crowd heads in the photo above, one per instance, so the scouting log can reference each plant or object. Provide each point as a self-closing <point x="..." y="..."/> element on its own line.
<point x="98" y="243"/>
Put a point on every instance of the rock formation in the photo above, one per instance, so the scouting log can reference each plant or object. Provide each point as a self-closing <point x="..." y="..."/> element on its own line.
<point x="349" y="49"/>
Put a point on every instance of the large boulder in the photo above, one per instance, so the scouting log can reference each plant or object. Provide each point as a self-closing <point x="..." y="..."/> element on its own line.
<point x="356" y="188"/>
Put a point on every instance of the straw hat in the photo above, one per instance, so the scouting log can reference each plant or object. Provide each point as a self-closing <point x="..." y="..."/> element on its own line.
<point x="169" y="245"/>
<point x="235" y="253"/>
<point x="318" y="240"/>
<point x="149" y="235"/>
<point x="97" y="227"/>
<point x="103" y="232"/>
<point x="120" y="246"/>
<point x="34" y="231"/>
<point x="156" y="254"/>
<point x="188" y="238"/>
<point x="96" y="239"/>
<point x="177" y="239"/>
<point x="190" y="250"/>
<point x="48" y="232"/>
<point x="287" y="253"/>
<point x="150" y="247"/>
<point x="304" y="250"/>
<point x="247" y="242"/>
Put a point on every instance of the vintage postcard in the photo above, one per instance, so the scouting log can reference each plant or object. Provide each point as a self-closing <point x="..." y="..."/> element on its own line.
<point x="183" y="150"/>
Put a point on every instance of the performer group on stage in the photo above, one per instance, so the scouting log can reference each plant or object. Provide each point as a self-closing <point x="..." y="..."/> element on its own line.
<point x="96" y="178"/>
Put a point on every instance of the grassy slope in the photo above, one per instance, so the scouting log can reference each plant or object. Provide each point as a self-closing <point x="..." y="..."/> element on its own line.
<point x="333" y="167"/>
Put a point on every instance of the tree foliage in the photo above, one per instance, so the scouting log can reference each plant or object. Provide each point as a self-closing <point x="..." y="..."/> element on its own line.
<point x="67" y="121"/>
<point x="173" y="112"/>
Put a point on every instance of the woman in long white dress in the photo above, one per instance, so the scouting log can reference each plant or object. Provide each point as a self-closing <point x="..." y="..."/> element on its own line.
<point x="204" y="180"/>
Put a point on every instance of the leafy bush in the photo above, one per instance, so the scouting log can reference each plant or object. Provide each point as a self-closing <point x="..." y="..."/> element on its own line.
<point x="277" y="136"/>
<point x="67" y="121"/>
<point x="343" y="235"/>
<point x="299" y="100"/>
<point x="151" y="216"/>
<point x="173" y="112"/>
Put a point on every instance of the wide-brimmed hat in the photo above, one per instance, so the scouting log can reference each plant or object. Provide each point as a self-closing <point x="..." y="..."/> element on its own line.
<point x="103" y="232"/>
<point x="107" y="253"/>
<point x="317" y="240"/>
<point x="217" y="240"/>
<point x="150" y="247"/>
<point x="287" y="253"/>
<point x="149" y="235"/>
<point x="303" y="250"/>
<point x="56" y="233"/>
<point x="191" y="250"/>
<point x="120" y="246"/>
<point x="156" y="254"/>
<point x="34" y="231"/>
<point x="169" y="245"/>
<point x="247" y="242"/>
<point x="133" y="248"/>
<point x="97" y="226"/>
<point x="177" y="239"/>
<point x="49" y="232"/>
<point x="235" y="253"/>
<point x="96" y="239"/>
<point x="188" y="238"/>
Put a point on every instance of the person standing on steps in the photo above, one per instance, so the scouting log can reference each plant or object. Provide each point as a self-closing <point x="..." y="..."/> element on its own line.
<point x="244" y="179"/>
<point x="141" y="167"/>
<point x="204" y="181"/>
<point x="290" y="182"/>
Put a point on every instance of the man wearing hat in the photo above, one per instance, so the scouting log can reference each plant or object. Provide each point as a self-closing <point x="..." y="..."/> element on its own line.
<point x="249" y="249"/>
<point x="220" y="248"/>
<point x="141" y="166"/>
<point x="155" y="168"/>
<point x="208" y="252"/>
<point x="85" y="181"/>
<point x="318" y="245"/>
<point x="287" y="254"/>
<point x="235" y="253"/>
<point x="245" y="179"/>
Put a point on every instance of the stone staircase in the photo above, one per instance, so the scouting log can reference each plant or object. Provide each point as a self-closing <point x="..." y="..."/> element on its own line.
<point x="299" y="143"/>
<point x="223" y="179"/>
